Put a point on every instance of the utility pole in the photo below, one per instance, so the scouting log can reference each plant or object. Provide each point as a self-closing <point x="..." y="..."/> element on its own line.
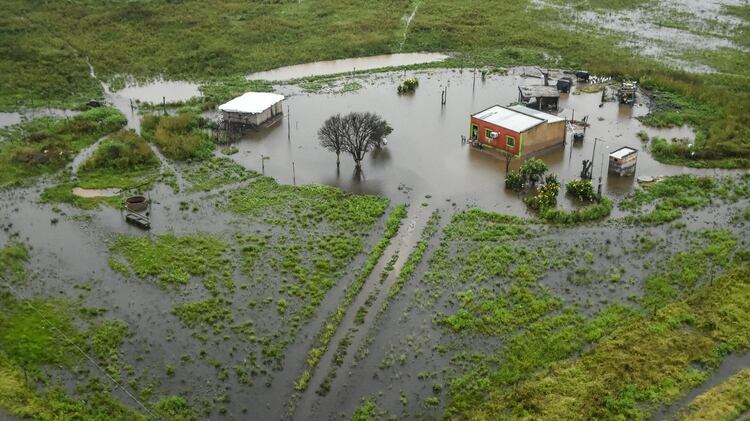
<point x="288" y="124"/>
<point x="294" y="175"/>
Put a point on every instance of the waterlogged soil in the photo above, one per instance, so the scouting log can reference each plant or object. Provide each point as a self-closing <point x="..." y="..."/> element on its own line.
<point x="408" y="352"/>
<point x="424" y="162"/>
<point x="661" y="29"/>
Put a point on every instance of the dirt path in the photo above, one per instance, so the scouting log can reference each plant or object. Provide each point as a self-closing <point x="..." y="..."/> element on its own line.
<point x="308" y="401"/>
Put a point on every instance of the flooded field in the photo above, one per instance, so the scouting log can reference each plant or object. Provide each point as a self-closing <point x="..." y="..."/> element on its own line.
<point x="252" y="299"/>
<point x="346" y="65"/>
<point x="425" y="154"/>
<point x="665" y="30"/>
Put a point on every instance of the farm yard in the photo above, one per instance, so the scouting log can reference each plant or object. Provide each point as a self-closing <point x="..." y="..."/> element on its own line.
<point x="161" y="262"/>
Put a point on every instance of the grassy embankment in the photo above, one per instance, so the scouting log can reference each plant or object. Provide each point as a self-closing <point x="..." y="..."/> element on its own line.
<point x="181" y="43"/>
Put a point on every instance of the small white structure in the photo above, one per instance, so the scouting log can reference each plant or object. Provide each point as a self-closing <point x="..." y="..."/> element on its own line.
<point x="623" y="160"/>
<point x="253" y="109"/>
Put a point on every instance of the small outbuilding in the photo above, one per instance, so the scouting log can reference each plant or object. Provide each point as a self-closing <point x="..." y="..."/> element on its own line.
<point x="541" y="97"/>
<point x="253" y="109"/>
<point x="623" y="160"/>
<point x="518" y="130"/>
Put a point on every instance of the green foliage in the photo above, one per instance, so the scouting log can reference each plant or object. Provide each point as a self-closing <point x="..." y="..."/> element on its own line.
<point x="367" y="411"/>
<point x="216" y="172"/>
<point x="546" y="197"/>
<point x="12" y="258"/>
<point x="122" y="151"/>
<point x="408" y="86"/>
<point x="309" y="204"/>
<point x="45" y="145"/>
<point x="209" y="312"/>
<point x="647" y="362"/>
<point x="514" y="181"/>
<point x="593" y="212"/>
<point x="533" y="169"/>
<point x="174" y="408"/>
<point x="582" y="190"/>
<point x="672" y="195"/>
<point x="30" y="332"/>
<point x="106" y="340"/>
<point x="169" y="258"/>
<point x="178" y="137"/>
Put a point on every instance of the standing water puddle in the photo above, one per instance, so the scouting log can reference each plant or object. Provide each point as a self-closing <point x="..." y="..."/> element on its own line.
<point x="346" y="65"/>
<point x="9" y="119"/>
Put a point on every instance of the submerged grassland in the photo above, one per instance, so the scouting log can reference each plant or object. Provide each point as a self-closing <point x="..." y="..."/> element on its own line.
<point x="510" y="316"/>
<point x="182" y="41"/>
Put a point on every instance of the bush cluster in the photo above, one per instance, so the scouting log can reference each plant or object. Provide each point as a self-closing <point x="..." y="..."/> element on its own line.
<point x="408" y="86"/>
<point x="178" y="137"/>
<point x="546" y="198"/>
<point x="582" y="190"/>
<point x="123" y="150"/>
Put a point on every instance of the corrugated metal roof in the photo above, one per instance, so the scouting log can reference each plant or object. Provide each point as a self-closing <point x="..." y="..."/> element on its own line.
<point x="533" y="91"/>
<point x="251" y="102"/>
<point x="510" y="119"/>
<point x="550" y="118"/>
<point x="622" y="152"/>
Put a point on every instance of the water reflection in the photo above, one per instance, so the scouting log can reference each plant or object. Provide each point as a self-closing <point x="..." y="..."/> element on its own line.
<point x="425" y="151"/>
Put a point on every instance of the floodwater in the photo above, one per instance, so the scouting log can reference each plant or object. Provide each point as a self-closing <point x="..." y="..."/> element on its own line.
<point x="663" y="30"/>
<point x="90" y="193"/>
<point x="425" y="153"/>
<point x="346" y="65"/>
<point x="156" y="91"/>
<point x="9" y="119"/>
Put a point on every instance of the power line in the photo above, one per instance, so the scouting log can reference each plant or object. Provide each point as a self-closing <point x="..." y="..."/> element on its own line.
<point x="78" y="348"/>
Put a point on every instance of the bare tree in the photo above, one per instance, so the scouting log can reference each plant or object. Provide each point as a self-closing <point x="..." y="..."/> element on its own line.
<point x="354" y="133"/>
<point x="364" y="131"/>
<point x="331" y="136"/>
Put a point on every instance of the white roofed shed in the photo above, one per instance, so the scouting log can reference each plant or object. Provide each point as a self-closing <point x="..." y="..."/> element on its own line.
<point x="253" y="109"/>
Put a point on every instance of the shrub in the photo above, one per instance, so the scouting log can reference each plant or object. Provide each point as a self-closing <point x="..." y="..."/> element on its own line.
<point x="582" y="190"/>
<point x="533" y="169"/>
<point x="514" y="181"/>
<point x="123" y="150"/>
<point x="179" y="137"/>
<point x="546" y="198"/>
<point x="408" y="86"/>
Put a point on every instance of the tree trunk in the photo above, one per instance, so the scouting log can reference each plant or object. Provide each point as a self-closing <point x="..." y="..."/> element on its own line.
<point x="338" y="158"/>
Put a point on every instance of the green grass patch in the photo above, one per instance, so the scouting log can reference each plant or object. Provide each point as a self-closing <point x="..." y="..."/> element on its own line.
<point x="12" y="258"/>
<point x="646" y="362"/>
<point x="45" y="145"/>
<point x="178" y="137"/>
<point x="669" y="197"/>
<point x="171" y="259"/>
<point x="216" y="172"/>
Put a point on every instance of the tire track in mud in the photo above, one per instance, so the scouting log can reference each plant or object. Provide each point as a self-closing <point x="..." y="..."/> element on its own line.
<point x="407" y="23"/>
<point x="351" y="334"/>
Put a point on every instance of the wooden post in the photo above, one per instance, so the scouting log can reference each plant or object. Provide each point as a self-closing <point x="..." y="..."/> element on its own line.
<point x="294" y="175"/>
<point x="288" y="124"/>
<point x="164" y="104"/>
<point x="262" y="164"/>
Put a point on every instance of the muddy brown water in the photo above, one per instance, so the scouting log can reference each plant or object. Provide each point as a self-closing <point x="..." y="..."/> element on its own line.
<point x="425" y="152"/>
<point x="346" y="65"/>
